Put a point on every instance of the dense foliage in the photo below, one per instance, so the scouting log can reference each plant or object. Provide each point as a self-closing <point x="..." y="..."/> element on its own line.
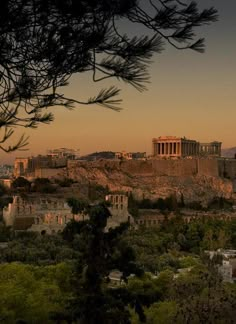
<point x="171" y="203"/>
<point x="175" y="280"/>
<point x="162" y="247"/>
<point x="33" y="294"/>
<point x="32" y="248"/>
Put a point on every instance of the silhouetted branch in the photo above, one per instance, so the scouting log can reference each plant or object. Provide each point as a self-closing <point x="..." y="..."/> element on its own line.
<point x="44" y="43"/>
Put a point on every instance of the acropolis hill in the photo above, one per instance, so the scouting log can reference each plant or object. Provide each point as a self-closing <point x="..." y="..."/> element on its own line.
<point x="197" y="179"/>
<point x="179" y="166"/>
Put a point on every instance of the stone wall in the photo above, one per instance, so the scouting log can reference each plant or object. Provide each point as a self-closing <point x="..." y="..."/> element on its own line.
<point x="49" y="173"/>
<point x="227" y="168"/>
<point x="207" y="167"/>
<point x="154" y="167"/>
<point x="176" y="168"/>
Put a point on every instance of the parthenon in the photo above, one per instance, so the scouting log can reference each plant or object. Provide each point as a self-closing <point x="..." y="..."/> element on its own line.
<point x="172" y="146"/>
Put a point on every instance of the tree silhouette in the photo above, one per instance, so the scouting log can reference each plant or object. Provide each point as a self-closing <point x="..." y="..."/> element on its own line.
<point x="99" y="252"/>
<point x="45" y="42"/>
<point x="22" y="183"/>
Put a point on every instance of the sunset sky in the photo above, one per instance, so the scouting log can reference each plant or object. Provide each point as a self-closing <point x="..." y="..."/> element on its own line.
<point x="189" y="94"/>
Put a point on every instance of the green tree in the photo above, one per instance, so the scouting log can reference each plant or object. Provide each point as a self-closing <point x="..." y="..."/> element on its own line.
<point x="223" y="239"/>
<point x="194" y="235"/>
<point x="97" y="192"/>
<point x="212" y="305"/>
<point x="34" y="248"/>
<point x="33" y="294"/>
<point x="171" y="203"/>
<point x="144" y="290"/>
<point x="44" y="43"/>
<point x="161" y="313"/>
<point x="43" y="185"/>
<point x="132" y="205"/>
<point x="232" y="231"/>
<point x="99" y="253"/>
<point x="160" y="204"/>
<point x="5" y="232"/>
<point x="208" y="242"/>
<point x="66" y="182"/>
<point x="21" y="183"/>
<point x="77" y="205"/>
<point x="3" y="189"/>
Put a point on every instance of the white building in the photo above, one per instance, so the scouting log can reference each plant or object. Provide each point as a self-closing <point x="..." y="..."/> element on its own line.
<point x="227" y="268"/>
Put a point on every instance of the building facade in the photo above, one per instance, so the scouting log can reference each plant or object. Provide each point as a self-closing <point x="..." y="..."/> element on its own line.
<point x="63" y="152"/>
<point x="118" y="209"/>
<point x="130" y="155"/>
<point x="21" y="166"/>
<point x="21" y="214"/>
<point x="172" y="146"/>
<point x="50" y="215"/>
<point x="36" y="166"/>
<point x="210" y="149"/>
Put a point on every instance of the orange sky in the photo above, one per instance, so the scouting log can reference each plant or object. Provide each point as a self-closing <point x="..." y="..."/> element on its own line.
<point x="190" y="95"/>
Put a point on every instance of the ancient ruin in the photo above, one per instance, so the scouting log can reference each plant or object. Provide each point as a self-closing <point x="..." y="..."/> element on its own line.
<point x="172" y="146"/>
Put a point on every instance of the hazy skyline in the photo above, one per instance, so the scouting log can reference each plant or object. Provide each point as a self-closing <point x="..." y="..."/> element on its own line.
<point x="189" y="94"/>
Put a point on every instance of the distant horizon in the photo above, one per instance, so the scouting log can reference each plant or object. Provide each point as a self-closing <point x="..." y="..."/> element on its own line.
<point x="10" y="157"/>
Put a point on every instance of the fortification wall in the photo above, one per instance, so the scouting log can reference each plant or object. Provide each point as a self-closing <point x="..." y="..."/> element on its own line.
<point x="137" y="167"/>
<point x="227" y="168"/>
<point x="160" y="167"/>
<point x="154" y="167"/>
<point x="208" y="167"/>
<point x="174" y="167"/>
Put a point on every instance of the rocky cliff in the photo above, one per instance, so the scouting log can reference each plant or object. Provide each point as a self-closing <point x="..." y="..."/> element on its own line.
<point x="146" y="180"/>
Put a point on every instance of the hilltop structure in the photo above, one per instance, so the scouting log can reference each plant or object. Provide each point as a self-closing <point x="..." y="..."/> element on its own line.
<point x="172" y="146"/>
<point x="123" y="155"/>
<point x="44" y="166"/>
<point x="210" y="149"/>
